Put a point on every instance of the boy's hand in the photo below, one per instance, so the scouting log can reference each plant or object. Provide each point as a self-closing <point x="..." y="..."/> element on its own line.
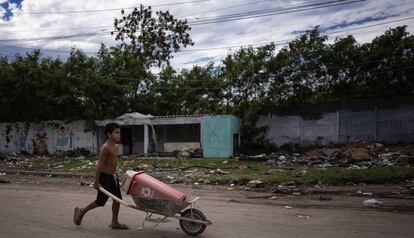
<point x="96" y="185"/>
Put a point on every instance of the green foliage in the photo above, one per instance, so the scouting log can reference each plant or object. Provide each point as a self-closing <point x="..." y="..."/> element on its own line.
<point x="119" y="79"/>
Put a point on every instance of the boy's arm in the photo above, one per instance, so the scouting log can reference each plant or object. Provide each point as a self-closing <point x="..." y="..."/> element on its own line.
<point x="102" y="159"/>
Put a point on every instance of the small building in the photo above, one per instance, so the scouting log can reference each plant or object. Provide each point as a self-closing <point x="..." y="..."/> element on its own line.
<point x="216" y="136"/>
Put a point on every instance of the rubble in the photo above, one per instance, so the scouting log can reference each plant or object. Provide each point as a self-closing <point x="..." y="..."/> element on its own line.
<point x="354" y="156"/>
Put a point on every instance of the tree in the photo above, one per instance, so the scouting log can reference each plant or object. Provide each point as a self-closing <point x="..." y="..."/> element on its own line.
<point x="153" y="38"/>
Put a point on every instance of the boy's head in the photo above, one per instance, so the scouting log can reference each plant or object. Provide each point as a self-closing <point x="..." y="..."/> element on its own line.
<point x="113" y="131"/>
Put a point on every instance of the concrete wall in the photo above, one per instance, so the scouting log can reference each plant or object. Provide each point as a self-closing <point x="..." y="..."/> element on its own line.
<point x="382" y="120"/>
<point x="45" y="137"/>
<point x="218" y="136"/>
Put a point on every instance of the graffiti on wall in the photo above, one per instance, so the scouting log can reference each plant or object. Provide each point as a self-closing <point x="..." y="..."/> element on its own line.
<point x="62" y="137"/>
<point x="8" y="136"/>
<point x="41" y="143"/>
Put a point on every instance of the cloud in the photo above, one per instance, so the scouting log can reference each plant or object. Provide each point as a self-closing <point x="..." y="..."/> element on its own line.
<point x="233" y="33"/>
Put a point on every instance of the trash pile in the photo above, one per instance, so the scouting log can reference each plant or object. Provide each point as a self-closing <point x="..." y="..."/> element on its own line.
<point x="355" y="156"/>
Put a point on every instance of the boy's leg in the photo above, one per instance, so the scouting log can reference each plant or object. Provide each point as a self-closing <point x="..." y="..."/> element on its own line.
<point x="80" y="212"/>
<point x="90" y="206"/>
<point x="115" y="212"/>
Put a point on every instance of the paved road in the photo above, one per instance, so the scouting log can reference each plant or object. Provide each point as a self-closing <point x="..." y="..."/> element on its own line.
<point x="43" y="207"/>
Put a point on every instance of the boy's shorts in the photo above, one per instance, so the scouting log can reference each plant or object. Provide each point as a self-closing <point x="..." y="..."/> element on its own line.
<point x="109" y="182"/>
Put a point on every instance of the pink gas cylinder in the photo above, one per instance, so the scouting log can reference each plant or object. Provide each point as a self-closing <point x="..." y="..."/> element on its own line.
<point x="143" y="185"/>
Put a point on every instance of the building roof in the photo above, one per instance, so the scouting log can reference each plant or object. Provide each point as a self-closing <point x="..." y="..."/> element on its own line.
<point x="136" y="118"/>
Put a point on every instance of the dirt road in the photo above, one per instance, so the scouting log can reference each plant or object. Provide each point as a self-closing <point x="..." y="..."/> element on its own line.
<point x="34" y="206"/>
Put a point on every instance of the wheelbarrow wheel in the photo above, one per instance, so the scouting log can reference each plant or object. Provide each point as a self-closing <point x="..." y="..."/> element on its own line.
<point x="193" y="228"/>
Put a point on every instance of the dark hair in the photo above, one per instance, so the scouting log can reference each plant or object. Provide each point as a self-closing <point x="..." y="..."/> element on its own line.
<point x="110" y="127"/>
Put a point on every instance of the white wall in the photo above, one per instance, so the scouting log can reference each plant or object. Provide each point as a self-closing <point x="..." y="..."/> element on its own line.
<point x="49" y="136"/>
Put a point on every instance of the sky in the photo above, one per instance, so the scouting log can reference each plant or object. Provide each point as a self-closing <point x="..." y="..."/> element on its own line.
<point x="29" y="24"/>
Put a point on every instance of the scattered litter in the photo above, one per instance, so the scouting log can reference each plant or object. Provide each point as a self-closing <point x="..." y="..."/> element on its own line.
<point x="86" y="184"/>
<point x="232" y="185"/>
<point x="80" y="157"/>
<point x="296" y="194"/>
<point x="372" y="202"/>
<point x="196" y="186"/>
<point x="302" y="216"/>
<point x="254" y="183"/>
<point x="288" y="207"/>
<point x="367" y="194"/>
<point x="2" y="174"/>
<point x="282" y="158"/>
<point x="225" y="162"/>
<point x="273" y="198"/>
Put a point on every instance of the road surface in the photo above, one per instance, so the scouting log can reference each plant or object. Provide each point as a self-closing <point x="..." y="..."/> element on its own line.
<point x="33" y="206"/>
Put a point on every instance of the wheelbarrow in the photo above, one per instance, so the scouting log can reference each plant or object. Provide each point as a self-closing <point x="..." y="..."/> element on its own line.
<point x="154" y="197"/>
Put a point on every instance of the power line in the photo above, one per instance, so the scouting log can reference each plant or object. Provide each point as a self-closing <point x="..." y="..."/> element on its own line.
<point x="317" y="5"/>
<point x="110" y="26"/>
<point x="223" y="8"/>
<point x="280" y="42"/>
<point x="88" y="34"/>
<point x="104" y="10"/>
<point x="278" y="11"/>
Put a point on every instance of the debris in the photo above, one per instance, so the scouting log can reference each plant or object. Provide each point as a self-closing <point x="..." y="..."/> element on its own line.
<point x="302" y="216"/>
<point x="273" y="198"/>
<point x="170" y="177"/>
<point x="232" y="185"/>
<point x="405" y="160"/>
<point x="86" y="184"/>
<point x="247" y="189"/>
<point x="296" y="194"/>
<point x="80" y="157"/>
<point x="288" y="207"/>
<point x="243" y="167"/>
<point x="357" y="154"/>
<point x="367" y="194"/>
<point x="196" y="186"/>
<point x="2" y="174"/>
<point x="372" y="202"/>
<point x="282" y="158"/>
<point x="225" y="162"/>
<point x="254" y="183"/>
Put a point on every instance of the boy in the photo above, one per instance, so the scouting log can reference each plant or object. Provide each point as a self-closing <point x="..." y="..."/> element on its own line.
<point x="106" y="177"/>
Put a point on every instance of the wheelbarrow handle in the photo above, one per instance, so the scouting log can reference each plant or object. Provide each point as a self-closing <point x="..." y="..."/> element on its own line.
<point x="115" y="198"/>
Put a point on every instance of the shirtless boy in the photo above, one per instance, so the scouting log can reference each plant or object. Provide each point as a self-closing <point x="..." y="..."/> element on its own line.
<point x="106" y="177"/>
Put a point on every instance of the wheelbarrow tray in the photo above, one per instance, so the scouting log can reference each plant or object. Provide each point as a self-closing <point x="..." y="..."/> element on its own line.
<point x="160" y="206"/>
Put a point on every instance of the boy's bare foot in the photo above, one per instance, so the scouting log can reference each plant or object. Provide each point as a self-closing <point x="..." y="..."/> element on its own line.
<point x="77" y="217"/>
<point x="118" y="226"/>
